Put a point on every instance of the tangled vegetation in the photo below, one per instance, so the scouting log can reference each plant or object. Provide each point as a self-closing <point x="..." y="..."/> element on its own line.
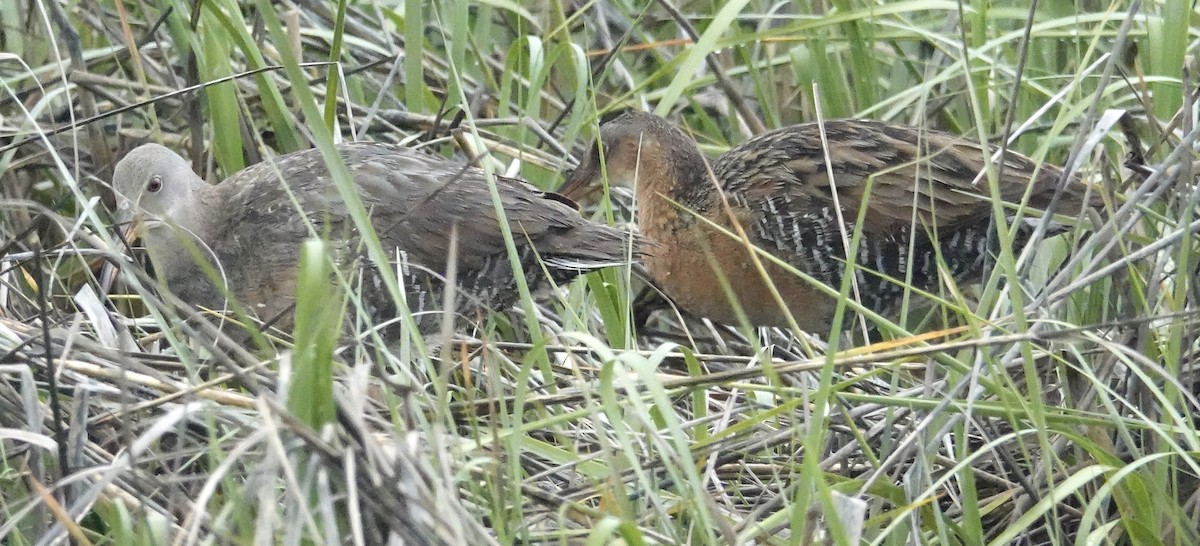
<point x="1053" y="404"/>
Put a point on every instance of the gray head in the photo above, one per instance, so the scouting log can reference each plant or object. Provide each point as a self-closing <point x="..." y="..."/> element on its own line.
<point x="162" y="201"/>
<point x="155" y="186"/>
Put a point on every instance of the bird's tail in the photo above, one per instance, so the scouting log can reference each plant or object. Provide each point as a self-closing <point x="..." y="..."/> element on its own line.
<point x="597" y="248"/>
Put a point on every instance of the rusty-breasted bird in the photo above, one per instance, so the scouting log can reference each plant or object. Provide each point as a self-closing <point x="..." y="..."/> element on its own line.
<point x="249" y="228"/>
<point x="778" y="188"/>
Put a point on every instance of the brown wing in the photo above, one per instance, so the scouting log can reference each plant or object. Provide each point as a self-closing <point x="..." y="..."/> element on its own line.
<point x="413" y="199"/>
<point x="782" y="182"/>
<point x="928" y="173"/>
<point x="419" y="198"/>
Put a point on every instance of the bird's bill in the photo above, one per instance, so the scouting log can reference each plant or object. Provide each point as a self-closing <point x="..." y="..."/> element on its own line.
<point x="580" y="184"/>
<point x="108" y="273"/>
<point x="131" y="231"/>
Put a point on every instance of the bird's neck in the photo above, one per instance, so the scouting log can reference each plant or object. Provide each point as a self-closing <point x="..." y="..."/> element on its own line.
<point x="170" y="243"/>
<point x="675" y="176"/>
<point x="201" y="219"/>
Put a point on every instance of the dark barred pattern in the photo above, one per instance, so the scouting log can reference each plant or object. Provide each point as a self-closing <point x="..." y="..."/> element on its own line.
<point x="923" y="160"/>
<point x="920" y="201"/>
<point x="813" y="243"/>
<point x="782" y="177"/>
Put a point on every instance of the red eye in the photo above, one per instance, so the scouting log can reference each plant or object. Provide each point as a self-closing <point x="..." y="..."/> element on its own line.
<point x="155" y="184"/>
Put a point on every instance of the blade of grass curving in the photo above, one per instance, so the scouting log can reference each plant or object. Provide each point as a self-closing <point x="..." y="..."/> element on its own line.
<point x="415" y="92"/>
<point x="526" y="17"/>
<point x="456" y="19"/>
<point x="537" y="358"/>
<point x="673" y="444"/>
<point x="228" y="13"/>
<point x="1167" y="36"/>
<point x="510" y="85"/>
<point x="862" y="66"/>
<point x="613" y="303"/>
<point x="214" y="63"/>
<point x="576" y="59"/>
<point x="538" y="61"/>
<point x="335" y="54"/>
<point x="319" y="315"/>
<point x="337" y="169"/>
<point x="686" y="71"/>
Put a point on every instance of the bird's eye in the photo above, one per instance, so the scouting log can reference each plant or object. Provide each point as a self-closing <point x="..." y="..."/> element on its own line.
<point x="155" y="184"/>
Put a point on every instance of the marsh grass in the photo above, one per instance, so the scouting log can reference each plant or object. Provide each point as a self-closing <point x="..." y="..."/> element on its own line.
<point x="1053" y="404"/>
